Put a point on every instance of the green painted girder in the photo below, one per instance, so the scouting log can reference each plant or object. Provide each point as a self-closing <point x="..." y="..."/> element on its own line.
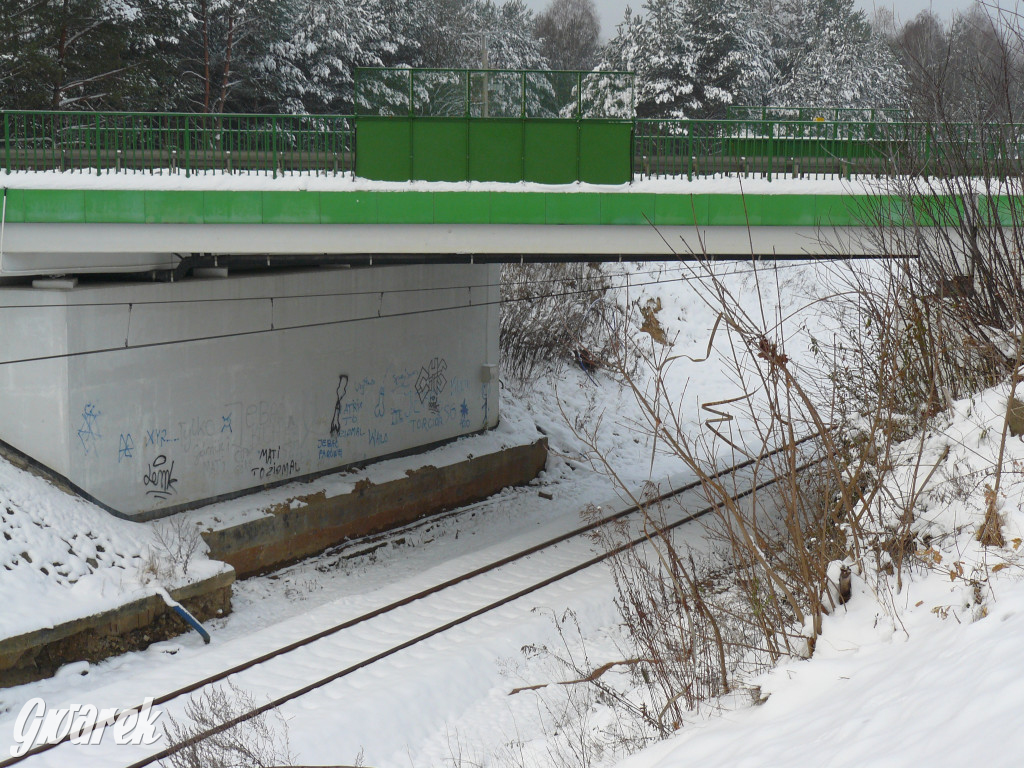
<point x="56" y="206"/>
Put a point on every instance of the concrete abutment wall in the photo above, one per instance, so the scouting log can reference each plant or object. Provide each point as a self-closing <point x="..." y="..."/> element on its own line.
<point x="155" y="397"/>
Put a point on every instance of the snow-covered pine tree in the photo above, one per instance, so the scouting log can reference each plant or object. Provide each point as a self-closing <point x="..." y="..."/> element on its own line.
<point x="758" y="66"/>
<point x="226" y="54"/>
<point x="508" y="29"/>
<point x="25" y="63"/>
<point x="607" y="96"/>
<point x="838" y="60"/>
<point x="313" y="70"/>
<point x="712" y="30"/>
<point x="665" y="85"/>
<point x="73" y="54"/>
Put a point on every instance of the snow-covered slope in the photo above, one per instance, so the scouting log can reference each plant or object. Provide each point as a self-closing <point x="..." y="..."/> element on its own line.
<point x="924" y="674"/>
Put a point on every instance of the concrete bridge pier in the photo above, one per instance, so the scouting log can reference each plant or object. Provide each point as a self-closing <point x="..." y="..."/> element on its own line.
<point x="151" y="398"/>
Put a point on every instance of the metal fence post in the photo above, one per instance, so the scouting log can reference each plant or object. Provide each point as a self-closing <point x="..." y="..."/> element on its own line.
<point x="7" y="142"/>
<point x="579" y="95"/>
<point x="689" y="151"/>
<point x="522" y="107"/>
<point x="99" y="163"/>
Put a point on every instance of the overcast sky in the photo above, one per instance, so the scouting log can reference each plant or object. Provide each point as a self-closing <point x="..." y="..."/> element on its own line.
<point x="611" y="10"/>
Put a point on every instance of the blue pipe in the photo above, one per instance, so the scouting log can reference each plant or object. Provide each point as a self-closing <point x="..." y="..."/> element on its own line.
<point x="185" y="616"/>
<point x="193" y="622"/>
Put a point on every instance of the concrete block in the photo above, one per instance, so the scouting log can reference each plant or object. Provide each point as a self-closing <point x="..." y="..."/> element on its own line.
<point x="289" y="534"/>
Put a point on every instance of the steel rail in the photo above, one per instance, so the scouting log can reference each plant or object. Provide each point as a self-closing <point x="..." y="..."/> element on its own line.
<point x="382" y="610"/>
<point x="596" y="560"/>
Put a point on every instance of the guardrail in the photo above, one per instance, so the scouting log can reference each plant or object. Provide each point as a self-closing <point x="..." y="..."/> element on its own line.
<point x="111" y="142"/>
<point x="822" y="149"/>
<point x="830" y="114"/>
<point x="177" y="143"/>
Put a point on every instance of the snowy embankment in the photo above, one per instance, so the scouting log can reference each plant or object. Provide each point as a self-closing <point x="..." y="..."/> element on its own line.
<point x="64" y="558"/>
<point x="920" y="673"/>
<point x="925" y="674"/>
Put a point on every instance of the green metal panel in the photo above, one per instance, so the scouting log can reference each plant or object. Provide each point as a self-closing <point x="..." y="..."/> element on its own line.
<point x="222" y="207"/>
<point x="440" y="149"/>
<point x="383" y="148"/>
<point x="886" y="210"/>
<point x="623" y="208"/>
<point x="56" y="206"/>
<point x="291" y="207"/>
<point x="495" y="150"/>
<point x="405" y="208"/>
<point x="733" y="210"/>
<point x="572" y="208"/>
<point x="939" y="211"/>
<point x="14" y="210"/>
<point x="605" y="152"/>
<point x="680" y="210"/>
<point x="786" y="210"/>
<point x="409" y="207"/>
<point x="462" y="208"/>
<point x="115" y="206"/>
<point x="517" y="208"/>
<point x="843" y="211"/>
<point x="348" y="207"/>
<point x="550" y="148"/>
<point x="178" y="207"/>
<point x="1007" y="210"/>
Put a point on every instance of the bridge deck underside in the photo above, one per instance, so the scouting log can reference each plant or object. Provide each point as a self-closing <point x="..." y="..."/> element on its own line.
<point x="67" y="248"/>
<point x="73" y="231"/>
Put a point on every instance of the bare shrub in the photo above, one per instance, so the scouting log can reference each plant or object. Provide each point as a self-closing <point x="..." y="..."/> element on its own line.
<point x="594" y="714"/>
<point x="957" y="209"/>
<point x="783" y="554"/>
<point x="259" y="742"/>
<point x="556" y="313"/>
<point x="176" y="541"/>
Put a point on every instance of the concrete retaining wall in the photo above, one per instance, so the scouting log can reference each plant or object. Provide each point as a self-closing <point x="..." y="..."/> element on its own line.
<point x="132" y="626"/>
<point x="293" y="532"/>
<point x="155" y="397"/>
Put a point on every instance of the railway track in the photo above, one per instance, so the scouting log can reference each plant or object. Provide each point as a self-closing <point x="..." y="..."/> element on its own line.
<point x="561" y="572"/>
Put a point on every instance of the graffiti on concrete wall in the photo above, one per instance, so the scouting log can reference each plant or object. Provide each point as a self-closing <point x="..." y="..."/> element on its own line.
<point x="159" y="480"/>
<point x="274" y="465"/>
<point x="342" y="391"/>
<point x="89" y="433"/>
<point x="125" y="447"/>
<point x="431" y="383"/>
<point x="259" y="440"/>
<point x="268" y="441"/>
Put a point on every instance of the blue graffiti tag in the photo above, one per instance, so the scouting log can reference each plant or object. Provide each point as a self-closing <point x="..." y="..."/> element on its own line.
<point x="89" y="432"/>
<point x="126" y="447"/>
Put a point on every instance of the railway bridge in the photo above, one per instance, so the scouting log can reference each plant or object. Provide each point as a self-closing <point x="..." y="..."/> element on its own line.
<point x="194" y="306"/>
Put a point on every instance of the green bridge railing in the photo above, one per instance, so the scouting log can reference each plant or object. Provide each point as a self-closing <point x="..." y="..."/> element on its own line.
<point x="111" y="142"/>
<point x="170" y="142"/>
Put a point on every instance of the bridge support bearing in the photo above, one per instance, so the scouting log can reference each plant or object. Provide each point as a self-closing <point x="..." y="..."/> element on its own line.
<point x="155" y="397"/>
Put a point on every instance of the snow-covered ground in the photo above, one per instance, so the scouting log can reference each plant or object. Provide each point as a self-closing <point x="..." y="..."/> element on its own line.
<point x="924" y="675"/>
